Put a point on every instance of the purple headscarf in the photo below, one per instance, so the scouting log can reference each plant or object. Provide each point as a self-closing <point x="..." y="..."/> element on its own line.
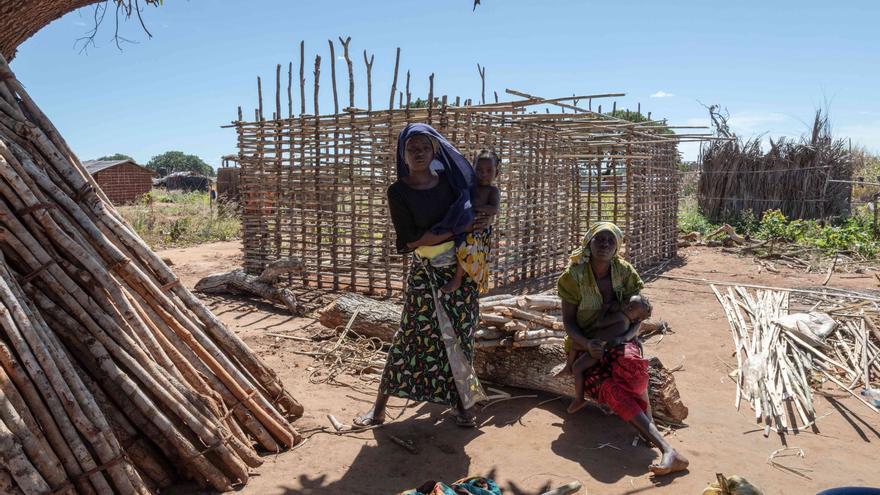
<point x="458" y="172"/>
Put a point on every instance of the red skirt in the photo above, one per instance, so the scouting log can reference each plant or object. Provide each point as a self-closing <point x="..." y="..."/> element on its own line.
<point x="620" y="380"/>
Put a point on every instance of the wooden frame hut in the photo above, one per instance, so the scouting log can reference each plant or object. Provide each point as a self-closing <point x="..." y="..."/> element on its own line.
<point x="313" y="185"/>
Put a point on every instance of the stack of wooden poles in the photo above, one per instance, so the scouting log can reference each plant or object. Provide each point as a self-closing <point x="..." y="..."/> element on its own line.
<point x="519" y="321"/>
<point x="114" y="378"/>
<point x="778" y="366"/>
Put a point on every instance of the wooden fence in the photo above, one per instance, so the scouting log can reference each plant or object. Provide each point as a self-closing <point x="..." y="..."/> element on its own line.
<point x="313" y="186"/>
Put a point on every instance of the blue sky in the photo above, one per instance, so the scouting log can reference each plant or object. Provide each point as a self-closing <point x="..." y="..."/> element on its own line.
<point x="770" y="63"/>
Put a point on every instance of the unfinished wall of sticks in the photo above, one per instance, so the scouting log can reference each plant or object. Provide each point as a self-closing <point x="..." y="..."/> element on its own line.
<point x="313" y="186"/>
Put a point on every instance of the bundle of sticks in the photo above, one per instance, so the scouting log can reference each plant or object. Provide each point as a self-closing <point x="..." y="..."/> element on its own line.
<point x="114" y="378"/>
<point x="519" y="321"/>
<point x="778" y="366"/>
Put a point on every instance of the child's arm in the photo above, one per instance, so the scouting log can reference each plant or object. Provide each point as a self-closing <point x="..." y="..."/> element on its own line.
<point x="609" y="320"/>
<point x="629" y="335"/>
<point x="491" y="206"/>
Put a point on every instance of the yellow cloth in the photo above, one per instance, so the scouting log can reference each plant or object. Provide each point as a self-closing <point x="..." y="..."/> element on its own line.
<point x="473" y="255"/>
<point x="579" y="254"/>
<point x="430" y="252"/>
<point x="577" y="284"/>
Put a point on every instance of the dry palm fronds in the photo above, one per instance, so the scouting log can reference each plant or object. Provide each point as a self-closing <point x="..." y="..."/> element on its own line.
<point x="114" y="378"/>
<point x="791" y="176"/>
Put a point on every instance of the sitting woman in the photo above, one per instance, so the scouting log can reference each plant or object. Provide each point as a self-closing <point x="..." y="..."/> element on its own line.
<point x="431" y="355"/>
<point x="597" y="279"/>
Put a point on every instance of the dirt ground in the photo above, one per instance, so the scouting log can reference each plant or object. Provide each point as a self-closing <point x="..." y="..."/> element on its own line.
<point x="528" y="445"/>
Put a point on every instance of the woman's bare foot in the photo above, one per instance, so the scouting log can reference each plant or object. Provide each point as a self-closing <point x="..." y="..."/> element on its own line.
<point x="368" y="419"/>
<point x="671" y="462"/>
<point x="576" y="405"/>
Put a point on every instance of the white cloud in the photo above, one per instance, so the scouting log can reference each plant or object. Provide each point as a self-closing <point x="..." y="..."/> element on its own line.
<point x="79" y="23"/>
<point x="340" y="57"/>
<point x="662" y="94"/>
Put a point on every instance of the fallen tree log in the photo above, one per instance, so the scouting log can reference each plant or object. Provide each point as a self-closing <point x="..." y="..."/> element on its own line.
<point x="534" y="368"/>
<point x="524" y="367"/>
<point x="375" y="318"/>
<point x="239" y="282"/>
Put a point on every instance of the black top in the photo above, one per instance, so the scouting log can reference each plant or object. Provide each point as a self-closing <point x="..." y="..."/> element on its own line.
<point x="414" y="211"/>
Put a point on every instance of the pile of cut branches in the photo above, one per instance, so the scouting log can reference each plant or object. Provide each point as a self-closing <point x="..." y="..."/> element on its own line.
<point x="782" y="356"/>
<point x="114" y="378"/>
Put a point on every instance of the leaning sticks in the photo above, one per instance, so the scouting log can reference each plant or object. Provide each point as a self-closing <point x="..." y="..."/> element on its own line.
<point x="114" y="378"/>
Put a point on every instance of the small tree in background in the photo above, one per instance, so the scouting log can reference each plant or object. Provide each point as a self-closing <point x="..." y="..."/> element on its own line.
<point x="178" y="161"/>
<point x="116" y="156"/>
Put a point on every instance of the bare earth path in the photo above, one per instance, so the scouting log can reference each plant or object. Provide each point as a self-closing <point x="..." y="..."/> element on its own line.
<point x="526" y="446"/>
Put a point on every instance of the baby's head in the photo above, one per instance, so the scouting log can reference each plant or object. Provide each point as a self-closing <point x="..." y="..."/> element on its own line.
<point x="637" y="309"/>
<point x="487" y="166"/>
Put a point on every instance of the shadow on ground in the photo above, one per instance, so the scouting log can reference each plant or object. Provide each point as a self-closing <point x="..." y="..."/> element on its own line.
<point x="589" y="438"/>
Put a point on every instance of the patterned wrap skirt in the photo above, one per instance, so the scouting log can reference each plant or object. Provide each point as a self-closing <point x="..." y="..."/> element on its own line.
<point x="431" y="355"/>
<point x="620" y="380"/>
<point x="473" y="255"/>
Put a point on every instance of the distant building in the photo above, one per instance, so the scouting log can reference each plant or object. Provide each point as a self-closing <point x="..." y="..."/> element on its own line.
<point x="123" y="181"/>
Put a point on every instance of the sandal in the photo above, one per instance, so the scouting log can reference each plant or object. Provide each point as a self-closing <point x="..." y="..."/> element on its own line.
<point x="465" y="421"/>
<point x="366" y="421"/>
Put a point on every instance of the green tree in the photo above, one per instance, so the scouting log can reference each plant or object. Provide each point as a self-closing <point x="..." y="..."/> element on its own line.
<point x="116" y="156"/>
<point x="638" y="117"/>
<point x="178" y="161"/>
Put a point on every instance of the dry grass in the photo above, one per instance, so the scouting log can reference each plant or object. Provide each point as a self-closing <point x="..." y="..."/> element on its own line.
<point x="167" y="219"/>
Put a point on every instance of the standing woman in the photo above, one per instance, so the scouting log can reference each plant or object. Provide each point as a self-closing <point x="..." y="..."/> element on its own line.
<point x="431" y="355"/>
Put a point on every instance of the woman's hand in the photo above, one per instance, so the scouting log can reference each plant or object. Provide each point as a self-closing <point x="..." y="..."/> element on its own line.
<point x="429" y="239"/>
<point x="569" y="321"/>
<point x="483" y="221"/>
<point x="596" y="348"/>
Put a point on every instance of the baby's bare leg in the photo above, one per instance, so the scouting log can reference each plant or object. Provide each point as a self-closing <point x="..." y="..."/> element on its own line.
<point x="455" y="282"/>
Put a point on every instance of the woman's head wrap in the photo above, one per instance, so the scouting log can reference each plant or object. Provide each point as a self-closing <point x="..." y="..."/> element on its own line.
<point x="582" y="253"/>
<point x="457" y="169"/>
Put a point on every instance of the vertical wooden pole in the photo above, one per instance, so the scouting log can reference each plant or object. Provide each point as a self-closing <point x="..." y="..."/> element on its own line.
<point x="482" y="71"/>
<point x="259" y="98"/>
<point x="278" y="91"/>
<point x="345" y="44"/>
<point x="335" y="207"/>
<point x="369" y="64"/>
<point x="387" y="247"/>
<point x="333" y="76"/>
<point x="290" y="90"/>
<point x="876" y="214"/>
<point x="394" y="81"/>
<point x="430" y="97"/>
<point x="279" y="191"/>
<point x="303" y="146"/>
<point x="302" y="77"/>
<point x="408" y="98"/>
<point x="319" y="193"/>
<point x="600" y="197"/>
<point x="351" y="161"/>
